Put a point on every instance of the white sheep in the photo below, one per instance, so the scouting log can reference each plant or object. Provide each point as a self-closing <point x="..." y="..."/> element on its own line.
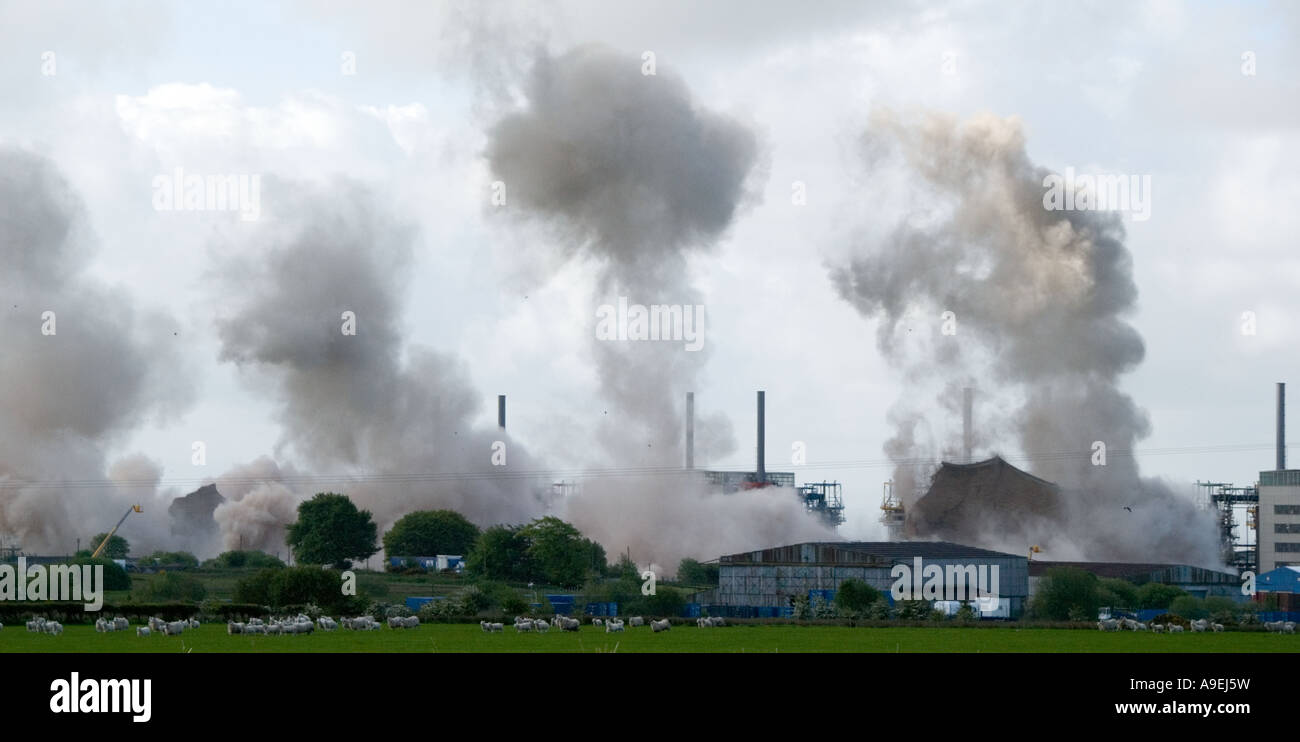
<point x="1158" y="628"/>
<point x="274" y="629"/>
<point x="35" y="625"/>
<point x="142" y="631"/>
<point x="612" y="626"/>
<point x="53" y="628"/>
<point x="101" y="626"/>
<point x="636" y="621"/>
<point x="597" y="622"/>
<point x="524" y="626"/>
<point x="1109" y="624"/>
<point x="234" y="627"/>
<point x="327" y="624"/>
<point x="657" y="626"/>
<point x="1175" y="629"/>
<point x="570" y="624"/>
<point x="1288" y="627"/>
<point x="1200" y="625"/>
<point x="703" y="622"/>
<point x="174" y="628"/>
<point x="1216" y="627"/>
<point x="541" y="626"/>
<point x="718" y="621"/>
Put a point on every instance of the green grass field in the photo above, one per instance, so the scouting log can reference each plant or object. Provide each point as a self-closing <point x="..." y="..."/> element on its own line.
<point x="776" y="638"/>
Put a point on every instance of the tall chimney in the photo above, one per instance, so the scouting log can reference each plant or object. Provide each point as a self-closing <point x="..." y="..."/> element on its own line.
<point x="1281" y="426"/>
<point x="690" y="430"/>
<point x="501" y="411"/>
<point x="762" y="470"/>
<point x="966" y="431"/>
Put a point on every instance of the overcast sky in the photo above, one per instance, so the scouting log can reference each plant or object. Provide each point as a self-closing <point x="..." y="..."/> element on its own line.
<point x="1144" y="88"/>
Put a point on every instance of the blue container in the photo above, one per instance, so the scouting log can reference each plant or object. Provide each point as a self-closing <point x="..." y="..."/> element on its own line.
<point x="415" y="604"/>
<point x="692" y="610"/>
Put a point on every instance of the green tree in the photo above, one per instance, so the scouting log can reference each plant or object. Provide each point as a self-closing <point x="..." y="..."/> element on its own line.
<point x="293" y="586"/>
<point x="330" y="530"/>
<point x="115" y="578"/>
<point x="1188" y="607"/>
<point x="1118" y="593"/>
<point x="1158" y="595"/>
<point x="117" y="548"/>
<point x="1067" y="593"/>
<point x="182" y="559"/>
<point x="171" y="586"/>
<point x="1221" y="609"/>
<point x="559" y="552"/>
<point x="500" y="554"/>
<point x="429" y="533"/>
<point x="692" y="572"/>
<point x="855" y="596"/>
<point x="238" y="559"/>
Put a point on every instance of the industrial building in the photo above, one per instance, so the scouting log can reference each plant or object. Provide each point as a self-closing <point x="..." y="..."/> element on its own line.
<point x="766" y="582"/>
<point x="1282" y="587"/>
<point x="1279" y="518"/>
<point x="823" y="500"/>
<point x="1196" y="581"/>
<point x="967" y="502"/>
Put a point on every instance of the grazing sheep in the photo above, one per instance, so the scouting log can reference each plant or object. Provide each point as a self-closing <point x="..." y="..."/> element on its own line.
<point x="101" y="626"/>
<point x="1200" y="625"/>
<point x="570" y="624"/>
<point x="1158" y="628"/>
<point x="255" y="628"/>
<point x="636" y="621"/>
<point x="233" y="628"/>
<point x="657" y="626"/>
<point x="35" y="625"/>
<point x="1109" y="624"/>
<point x="612" y="626"/>
<point x="1216" y="627"/>
<point x="703" y="622"/>
<point x="193" y="623"/>
<point x="1175" y="629"/>
<point x="718" y="621"/>
<point x="541" y="626"/>
<point x="597" y="622"/>
<point x="327" y="624"/>
<point x="174" y="628"/>
<point x="524" y="626"/>
<point x="142" y="631"/>
<point x="156" y="624"/>
<point x="54" y="628"/>
<point x="274" y="629"/>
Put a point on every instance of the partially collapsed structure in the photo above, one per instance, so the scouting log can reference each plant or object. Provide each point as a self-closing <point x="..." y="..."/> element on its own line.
<point x="966" y="502"/>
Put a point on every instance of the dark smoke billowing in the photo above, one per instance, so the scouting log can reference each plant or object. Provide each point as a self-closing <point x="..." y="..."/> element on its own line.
<point x="69" y="397"/>
<point x="630" y="173"/>
<point x="1039" y="299"/>
<point x="362" y="414"/>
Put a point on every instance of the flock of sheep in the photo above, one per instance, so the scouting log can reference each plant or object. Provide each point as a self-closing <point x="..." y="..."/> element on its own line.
<point x="525" y="624"/>
<point x="1198" y="626"/>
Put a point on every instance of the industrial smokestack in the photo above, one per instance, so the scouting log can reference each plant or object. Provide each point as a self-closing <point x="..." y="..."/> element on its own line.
<point x="762" y="470"/>
<point x="690" y="430"/>
<point x="1281" y="426"/>
<point x="966" y="430"/>
<point x="501" y="411"/>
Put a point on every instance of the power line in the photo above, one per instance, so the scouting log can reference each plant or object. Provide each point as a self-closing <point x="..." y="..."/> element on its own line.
<point x="504" y="474"/>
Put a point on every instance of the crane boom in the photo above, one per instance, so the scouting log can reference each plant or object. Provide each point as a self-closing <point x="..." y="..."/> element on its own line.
<point x="109" y="537"/>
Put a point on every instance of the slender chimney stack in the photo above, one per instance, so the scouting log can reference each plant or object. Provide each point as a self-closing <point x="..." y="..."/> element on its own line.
<point x="762" y="470"/>
<point x="1281" y="426"/>
<point x="690" y="430"/>
<point x="501" y="411"/>
<point x="967" y="432"/>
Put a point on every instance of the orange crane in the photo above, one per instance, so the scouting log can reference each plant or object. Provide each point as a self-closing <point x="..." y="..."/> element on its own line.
<point x="109" y="537"/>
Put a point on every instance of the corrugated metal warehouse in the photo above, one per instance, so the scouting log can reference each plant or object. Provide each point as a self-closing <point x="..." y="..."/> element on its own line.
<point x="772" y="578"/>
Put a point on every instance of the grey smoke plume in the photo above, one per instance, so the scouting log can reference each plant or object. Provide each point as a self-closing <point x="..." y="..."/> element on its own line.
<point x="632" y="174"/>
<point x="361" y="414"/>
<point x="1039" y="298"/>
<point x="69" y="397"/>
<point x="629" y="171"/>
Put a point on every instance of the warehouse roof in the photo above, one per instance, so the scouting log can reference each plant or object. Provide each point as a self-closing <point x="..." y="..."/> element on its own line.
<point x="1173" y="573"/>
<point x="841" y="552"/>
